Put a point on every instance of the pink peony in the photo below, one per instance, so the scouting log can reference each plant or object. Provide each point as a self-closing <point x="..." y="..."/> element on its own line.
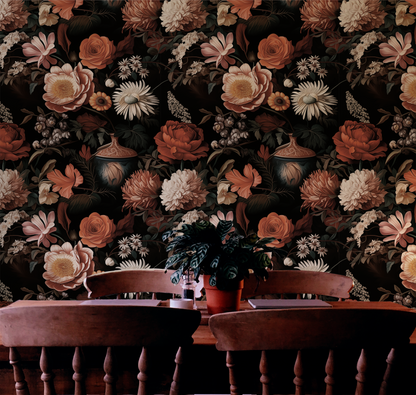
<point x="67" y="89"/>
<point x="67" y="267"/>
<point x="246" y="89"/>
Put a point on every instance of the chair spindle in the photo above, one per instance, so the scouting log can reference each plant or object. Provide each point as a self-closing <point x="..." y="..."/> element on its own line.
<point x="265" y="377"/>
<point x="361" y="375"/>
<point x="298" y="380"/>
<point x="329" y="370"/>
<point x="78" y="365"/>
<point x="47" y="375"/>
<point x="387" y="374"/>
<point x="19" y="376"/>
<point x="110" y="377"/>
<point x="143" y="377"/>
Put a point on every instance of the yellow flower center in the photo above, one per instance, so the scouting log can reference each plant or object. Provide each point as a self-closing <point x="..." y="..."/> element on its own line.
<point x="412" y="88"/>
<point x="63" y="266"/>
<point x="62" y="88"/>
<point x="241" y="88"/>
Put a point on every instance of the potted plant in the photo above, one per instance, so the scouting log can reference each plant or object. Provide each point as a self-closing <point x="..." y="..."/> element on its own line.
<point x="215" y="250"/>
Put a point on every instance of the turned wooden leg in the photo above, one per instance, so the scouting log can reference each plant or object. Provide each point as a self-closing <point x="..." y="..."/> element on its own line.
<point x="391" y="358"/>
<point x="298" y="380"/>
<point x="19" y="376"/>
<point x="47" y="376"/>
<point x="110" y="377"/>
<point x="361" y="377"/>
<point x="265" y="377"/>
<point x="78" y="365"/>
<point x="143" y="377"/>
<point x="234" y="390"/>
<point x="329" y="370"/>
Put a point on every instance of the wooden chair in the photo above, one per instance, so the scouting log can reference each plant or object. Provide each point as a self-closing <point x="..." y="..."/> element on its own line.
<point x="49" y="324"/>
<point x="298" y="282"/>
<point x="301" y="329"/>
<point x="132" y="281"/>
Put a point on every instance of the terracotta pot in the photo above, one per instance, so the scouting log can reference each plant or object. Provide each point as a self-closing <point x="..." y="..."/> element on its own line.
<point x="221" y="301"/>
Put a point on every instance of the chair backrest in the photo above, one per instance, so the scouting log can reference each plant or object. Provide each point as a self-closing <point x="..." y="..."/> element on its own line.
<point x="118" y="282"/>
<point x="298" y="282"/>
<point x="71" y="324"/>
<point x="300" y="329"/>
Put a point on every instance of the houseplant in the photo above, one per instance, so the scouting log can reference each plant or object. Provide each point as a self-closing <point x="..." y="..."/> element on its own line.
<point x="213" y="248"/>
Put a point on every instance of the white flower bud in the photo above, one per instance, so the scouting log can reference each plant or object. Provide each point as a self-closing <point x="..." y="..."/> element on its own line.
<point x="288" y="262"/>
<point x="109" y="83"/>
<point x="288" y="83"/>
<point x="109" y="261"/>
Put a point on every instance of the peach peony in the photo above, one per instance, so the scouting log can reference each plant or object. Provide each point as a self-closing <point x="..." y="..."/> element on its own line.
<point x="141" y="15"/>
<point x="359" y="141"/>
<point x="141" y="190"/>
<point x="66" y="267"/>
<point x="12" y="15"/>
<point x="361" y="15"/>
<point x="180" y="141"/>
<point x="408" y="275"/>
<point x="13" y="193"/>
<point x="97" y="52"/>
<point x="67" y="89"/>
<point x="97" y="230"/>
<point x="275" y="52"/>
<point x="277" y="226"/>
<point x="13" y="145"/>
<point x="183" y="15"/>
<point x="319" y="190"/>
<point x="319" y="14"/>
<point x="408" y="88"/>
<point x="246" y="89"/>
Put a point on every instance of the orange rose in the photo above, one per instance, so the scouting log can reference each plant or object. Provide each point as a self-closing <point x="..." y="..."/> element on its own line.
<point x="97" y="230"/>
<point x="277" y="226"/>
<point x="275" y="52"/>
<point x="359" y="141"/>
<point x="97" y="52"/>
<point x="12" y="142"/>
<point x="180" y="141"/>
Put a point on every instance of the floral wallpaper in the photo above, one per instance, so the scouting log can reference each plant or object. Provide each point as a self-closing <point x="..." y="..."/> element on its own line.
<point x="122" y="119"/>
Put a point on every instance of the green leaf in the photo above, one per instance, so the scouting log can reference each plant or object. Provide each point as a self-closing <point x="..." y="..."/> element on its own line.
<point x="211" y="86"/>
<point x="389" y="265"/>
<point x="32" y="265"/>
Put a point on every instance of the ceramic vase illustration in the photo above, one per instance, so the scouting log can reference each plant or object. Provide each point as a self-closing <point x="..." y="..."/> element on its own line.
<point x="292" y="164"/>
<point x="114" y="164"/>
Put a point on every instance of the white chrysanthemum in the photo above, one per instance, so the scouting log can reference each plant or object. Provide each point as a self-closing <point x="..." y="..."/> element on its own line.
<point x="361" y="191"/>
<point x="317" y="265"/>
<point x="185" y="15"/>
<point x="183" y="191"/>
<point x="311" y="98"/>
<point x="133" y="98"/>
<point x="133" y="265"/>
